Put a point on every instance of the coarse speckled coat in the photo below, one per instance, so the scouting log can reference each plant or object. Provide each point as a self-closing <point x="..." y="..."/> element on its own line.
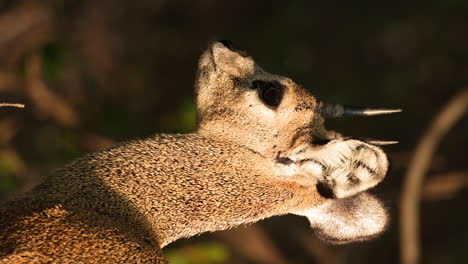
<point x="260" y="149"/>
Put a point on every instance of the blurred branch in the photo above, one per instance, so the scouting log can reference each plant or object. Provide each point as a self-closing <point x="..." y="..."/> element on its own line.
<point x="259" y="248"/>
<point x="445" y="186"/>
<point x="322" y="252"/>
<point x="50" y="105"/>
<point x="409" y="214"/>
<point x="8" y="130"/>
<point x="47" y="103"/>
<point x="26" y="27"/>
<point x="8" y="82"/>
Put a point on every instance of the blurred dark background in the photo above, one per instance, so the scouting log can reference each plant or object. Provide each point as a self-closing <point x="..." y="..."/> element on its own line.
<point x="92" y="73"/>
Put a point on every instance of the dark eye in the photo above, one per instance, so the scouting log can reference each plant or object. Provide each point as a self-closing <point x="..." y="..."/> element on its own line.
<point x="271" y="93"/>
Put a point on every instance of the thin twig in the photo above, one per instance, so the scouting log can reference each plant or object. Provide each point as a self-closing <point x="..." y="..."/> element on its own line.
<point x="409" y="211"/>
<point x="11" y="105"/>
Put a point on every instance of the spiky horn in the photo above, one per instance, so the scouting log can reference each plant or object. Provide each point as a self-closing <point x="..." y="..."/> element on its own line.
<point x="328" y="110"/>
<point x="379" y="142"/>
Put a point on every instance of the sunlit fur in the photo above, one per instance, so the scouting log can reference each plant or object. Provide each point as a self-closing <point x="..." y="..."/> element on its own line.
<point x="246" y="161"/>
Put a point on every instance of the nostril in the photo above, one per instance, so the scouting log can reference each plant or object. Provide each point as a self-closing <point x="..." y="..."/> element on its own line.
<point x="325" y="190"/>
<point x="227" y="43"/>
<point x="232" y="47"/>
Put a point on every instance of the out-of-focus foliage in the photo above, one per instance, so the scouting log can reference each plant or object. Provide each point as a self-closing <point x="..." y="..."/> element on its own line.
<point x="92" y="73"/>
<point x="201" y="253"/>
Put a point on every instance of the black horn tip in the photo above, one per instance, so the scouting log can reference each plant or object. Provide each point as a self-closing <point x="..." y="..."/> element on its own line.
<point x="328" y="110"/>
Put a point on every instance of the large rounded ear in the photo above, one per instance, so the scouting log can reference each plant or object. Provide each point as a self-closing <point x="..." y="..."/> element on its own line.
<point x="355" y="218"/>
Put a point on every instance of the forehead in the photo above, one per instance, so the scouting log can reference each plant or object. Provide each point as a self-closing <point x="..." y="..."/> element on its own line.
<point x="303" y="98"/>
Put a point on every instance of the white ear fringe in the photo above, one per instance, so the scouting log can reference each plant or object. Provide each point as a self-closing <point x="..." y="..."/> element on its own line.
<point x="359" y="217"/>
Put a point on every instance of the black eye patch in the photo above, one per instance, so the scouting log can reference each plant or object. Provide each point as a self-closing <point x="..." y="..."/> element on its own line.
<point x="271" y="93"/>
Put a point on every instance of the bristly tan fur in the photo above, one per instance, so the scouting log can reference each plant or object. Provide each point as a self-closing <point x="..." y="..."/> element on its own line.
<point x="246" y="161"/>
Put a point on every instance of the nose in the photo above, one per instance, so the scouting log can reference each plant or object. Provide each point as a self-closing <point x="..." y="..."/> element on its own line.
<point x="232" y="47"/>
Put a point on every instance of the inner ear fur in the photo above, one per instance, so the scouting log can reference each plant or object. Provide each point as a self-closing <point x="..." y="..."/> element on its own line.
<point x="360" y="217"/>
